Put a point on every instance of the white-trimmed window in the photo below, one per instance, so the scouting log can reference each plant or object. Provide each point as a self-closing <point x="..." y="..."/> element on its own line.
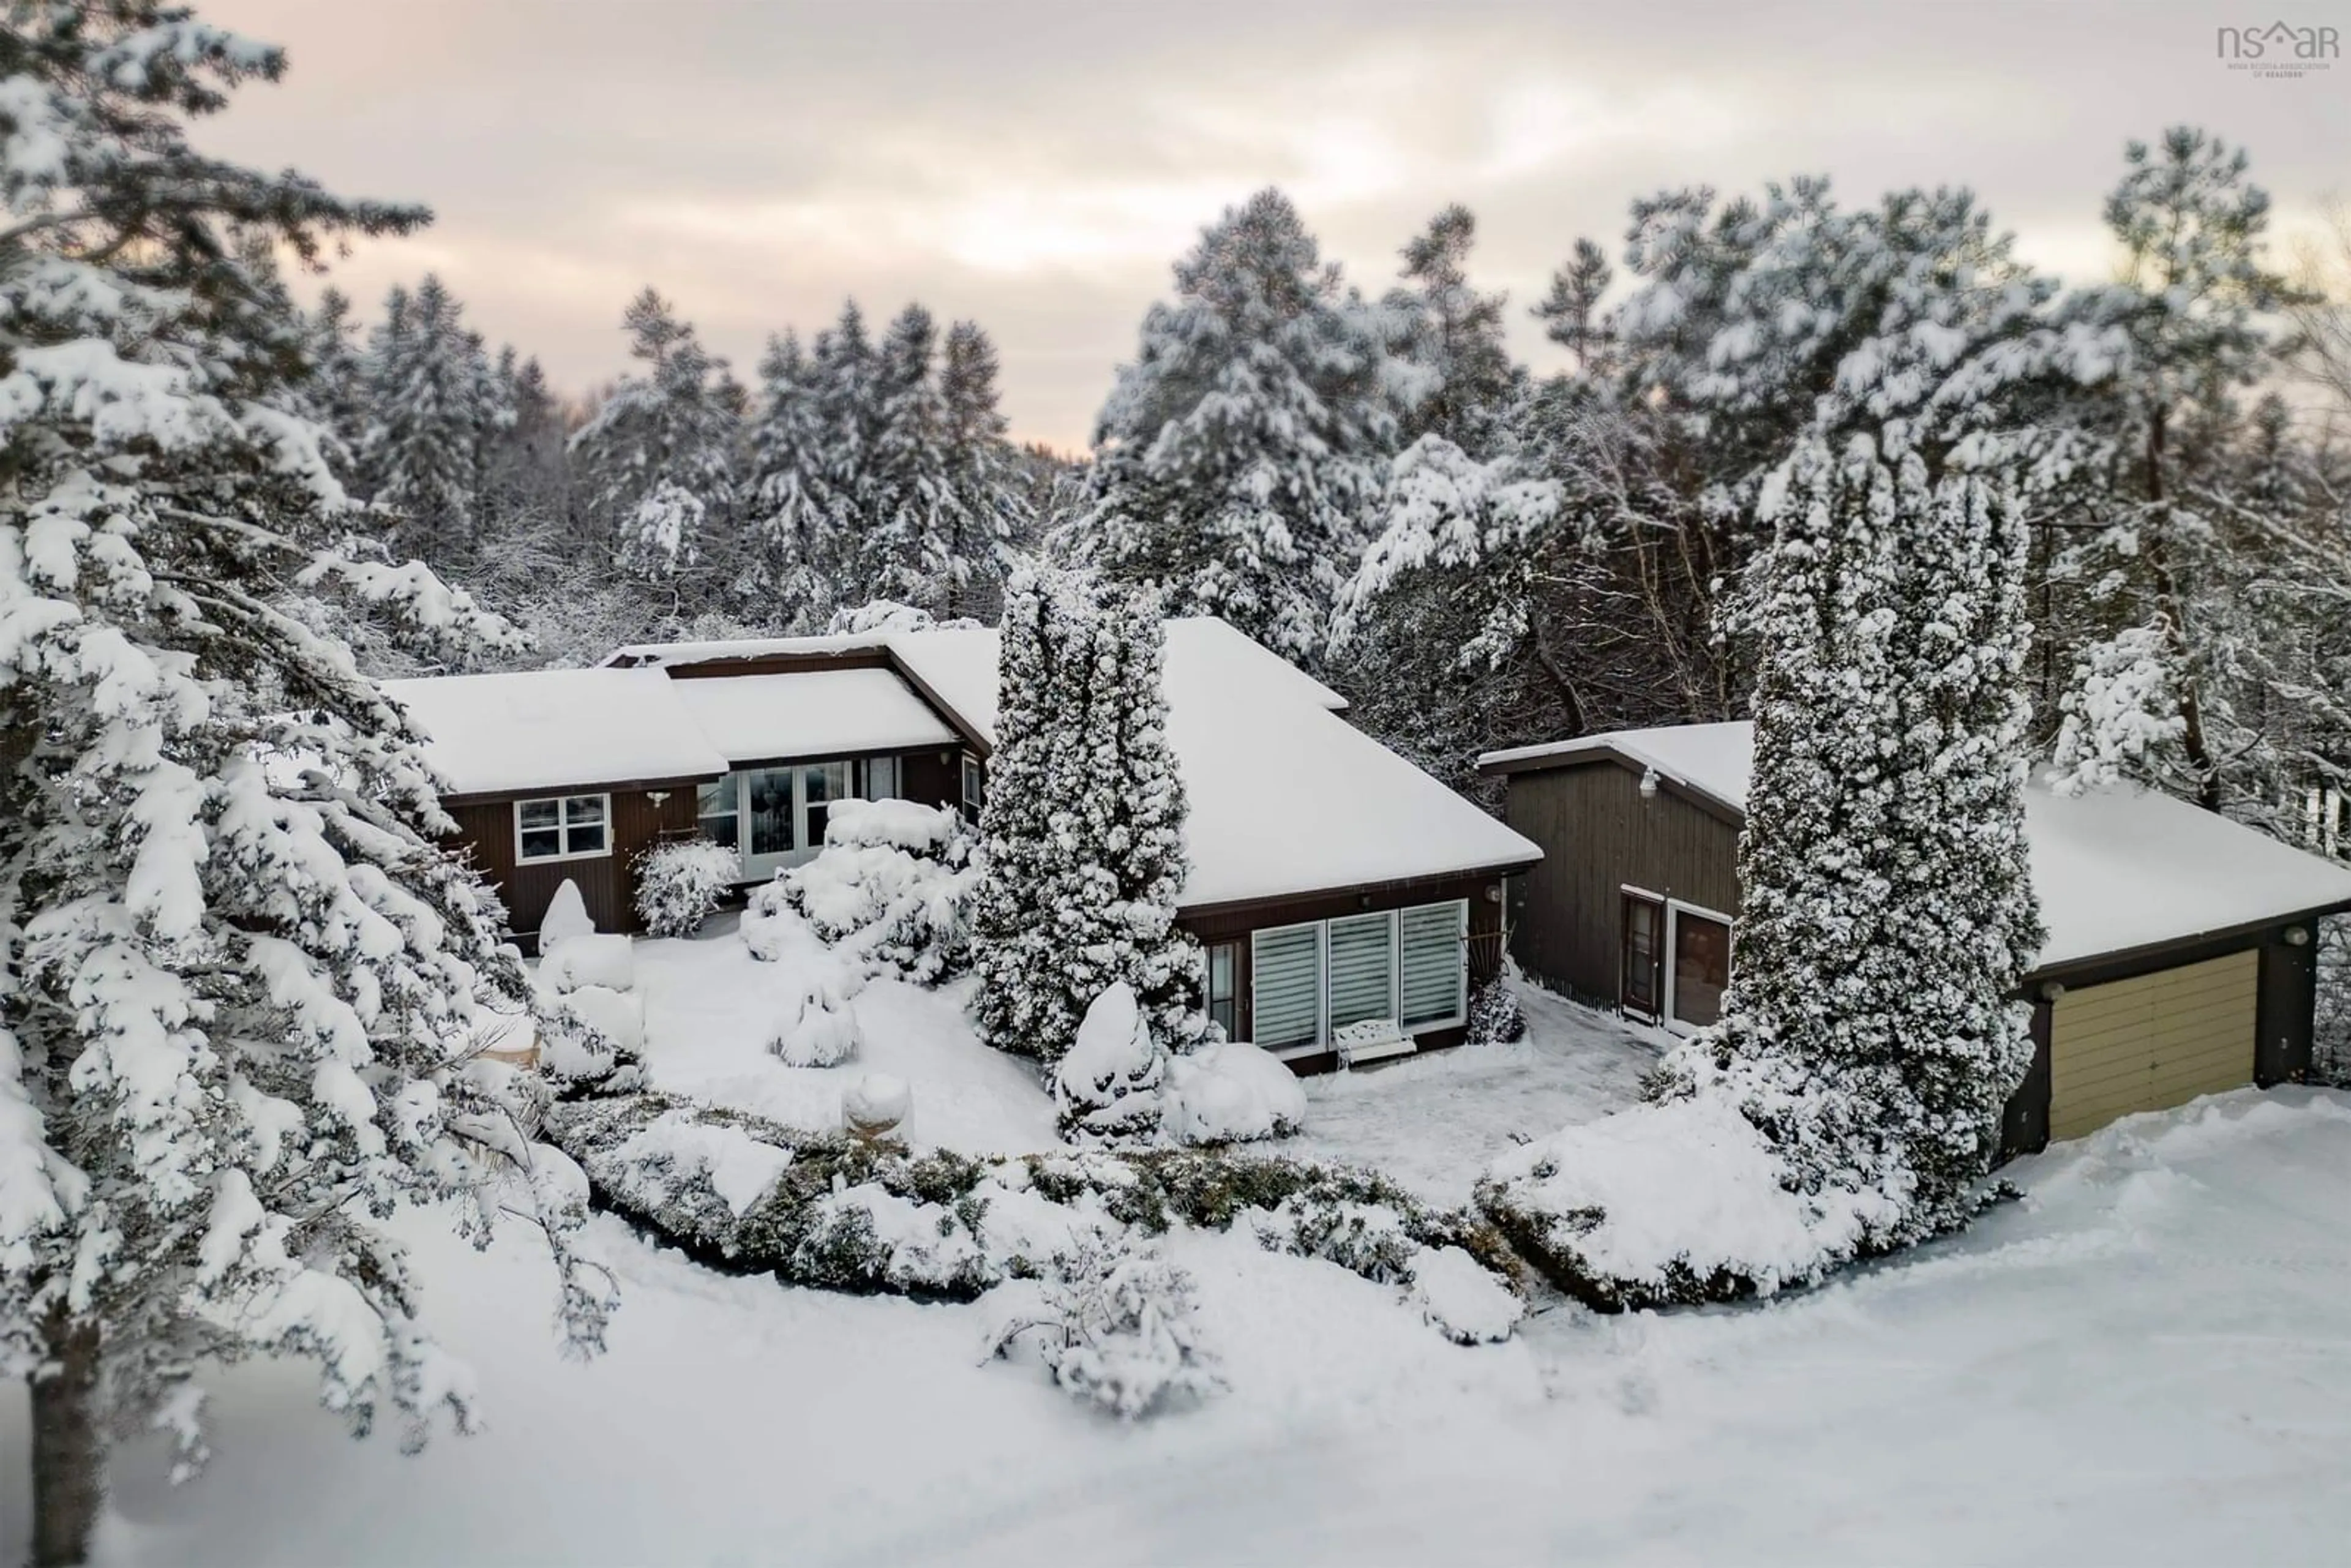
<point x="974" y="788"/>
<point x="563" y="828"/>
<point x="881" y="779"/>
<point x="1408" y="966"/>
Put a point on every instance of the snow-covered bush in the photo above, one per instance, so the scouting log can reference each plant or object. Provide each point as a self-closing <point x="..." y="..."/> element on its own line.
<point x="589" y="960"/>
<point x="679" y="884"/>
<point x="889" y="615"/>
<point x="1231" y="1093"/>
<point x="892" y="888"/>
<point x="1461" y="1299"/>
<point x="1495" y="1016"/>
<point x="1108" y="1084"/>
<point x="592" y="1037"/>
<point x="816" y="1016"/>
<point x="1673" y="1203"/>
<point x="1118" y="1330"/>
<point x="566" y="917"/>
<point x="877" y="1103"/>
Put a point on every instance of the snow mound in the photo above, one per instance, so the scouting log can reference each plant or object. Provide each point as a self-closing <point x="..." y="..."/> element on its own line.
<point x="1232" y="1092"/>
<point x="1670" y="1203"/>
<point x="566" y="916"/>
<point x="877" y="1103"/>
<point x="573" y="962"/>
<point x="1461" y="1300"/>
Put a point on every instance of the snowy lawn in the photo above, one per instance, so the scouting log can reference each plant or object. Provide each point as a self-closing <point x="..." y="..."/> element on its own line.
<point x="709" y="1009"/>
<point x="1433" y="1122"/>
<point x="2145" y="1361"/>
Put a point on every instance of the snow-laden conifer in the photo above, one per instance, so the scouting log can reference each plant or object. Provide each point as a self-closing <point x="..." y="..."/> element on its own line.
<point x="658" y="460"/>
<point x="239" y="984"/>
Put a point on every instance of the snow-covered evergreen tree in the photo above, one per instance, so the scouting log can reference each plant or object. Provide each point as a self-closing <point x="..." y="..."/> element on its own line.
<point x="788" y="490"/>
<point x="1888" y="916"/>
<point x="988" y="496"/>
<point x="658" y="460"/>
<point x="1237" y="452"/>
<point x="905" y="544"/>
<point x="1083" y="832"/>
<point x="1451" y="337"/>
<point x="428" y="408"/>
<point x="237" y="979"/>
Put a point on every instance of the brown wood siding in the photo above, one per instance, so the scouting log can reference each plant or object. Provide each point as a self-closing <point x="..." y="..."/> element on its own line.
<point x="934" y="776"/>
<point x="1599" y="835"/>
<point x="1236" y="926"/>
<point x="486" y="831"/>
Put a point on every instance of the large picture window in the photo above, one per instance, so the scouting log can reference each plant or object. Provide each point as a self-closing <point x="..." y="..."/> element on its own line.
<point x="566" y="827"/>
<point x="1408" y="967"/>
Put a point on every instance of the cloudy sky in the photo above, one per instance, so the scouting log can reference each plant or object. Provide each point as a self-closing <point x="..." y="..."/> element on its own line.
<point x="1035" y="165"/>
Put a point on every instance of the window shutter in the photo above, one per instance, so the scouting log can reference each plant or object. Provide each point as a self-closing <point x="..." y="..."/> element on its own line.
<point x="1286" y="986"/>
<point x="1362" y="971"/>
<point x="1435" y="964"/>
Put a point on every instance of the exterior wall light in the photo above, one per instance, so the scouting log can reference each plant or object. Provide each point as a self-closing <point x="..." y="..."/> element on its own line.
<point x="1649" y="784"/>
<point x="2297" y="936"/>
<point x="2051" y="990"/>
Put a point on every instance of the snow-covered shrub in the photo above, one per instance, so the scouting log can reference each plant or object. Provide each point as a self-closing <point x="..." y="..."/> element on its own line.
<point x="566" y="917"/>
<point x="593" y="1035"/>
<point x="1461" y="1299"/>
<point x="1118" y="1330"/>
<point x="1671" y="1203"/>
<point x="771" y="927"/>
<point x="890" y="889"/>
<point x="816" y="1016"/>
<point x="1495" y="1016"/>
<point x="1231" y="1093"/>
<point x="589" y="960"/>
<point x="679" y="884"/>
<point x="1108" y="1084"/>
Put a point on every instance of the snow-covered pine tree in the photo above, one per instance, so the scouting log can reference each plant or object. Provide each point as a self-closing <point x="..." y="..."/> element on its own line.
<point x="987" y="492"/>
<point x="1451" y="335"/>
<point x="905" y="548"/>
<point x="427" y="412"/>
<point x="1237" y="454"/>
<point x="848" y="407"/>
<point x="337" y="391"/>
<point x="1082" y="834"/>
<point x="658" y="460"/>
<point x="788" y="487"/>
<point x="237" y="979"/>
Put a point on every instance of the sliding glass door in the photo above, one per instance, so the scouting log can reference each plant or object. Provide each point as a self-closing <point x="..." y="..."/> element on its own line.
<point x="773" y="816"/>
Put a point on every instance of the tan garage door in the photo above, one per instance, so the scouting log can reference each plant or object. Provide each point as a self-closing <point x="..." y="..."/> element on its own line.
<point x="2152" y="1043"/>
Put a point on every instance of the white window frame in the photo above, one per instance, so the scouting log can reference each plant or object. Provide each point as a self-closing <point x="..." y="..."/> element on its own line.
<point x="1321" y="1045"/>
<point x="1674" y="909"/>
<point x="971" y="787"/>
<point x="563" y="828"/>
<point x="897" y="769"/>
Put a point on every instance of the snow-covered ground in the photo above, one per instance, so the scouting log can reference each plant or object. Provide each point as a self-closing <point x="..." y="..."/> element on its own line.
<point x="1432" y="1122"/>
<point x="709" y="1009"/>
<point x="2146" y="1360"/>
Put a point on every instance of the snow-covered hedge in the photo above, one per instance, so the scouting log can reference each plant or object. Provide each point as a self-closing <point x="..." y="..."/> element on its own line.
<point x="1671" y="1204"/>
<point x="679" y="884"/>
<point x="832" y="1210"/>
<point x="891" y="890"/>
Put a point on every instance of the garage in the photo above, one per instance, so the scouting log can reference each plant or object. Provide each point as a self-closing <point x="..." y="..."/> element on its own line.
<point x="2152" y="1041"/>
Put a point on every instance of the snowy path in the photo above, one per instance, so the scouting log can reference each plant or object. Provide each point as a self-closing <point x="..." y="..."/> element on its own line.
<point x="1433" y="1122"/>
<point x="2148" y="1361"/>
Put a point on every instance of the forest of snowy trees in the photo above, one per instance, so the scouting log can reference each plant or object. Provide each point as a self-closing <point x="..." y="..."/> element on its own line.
<point x="1478" y="554"/>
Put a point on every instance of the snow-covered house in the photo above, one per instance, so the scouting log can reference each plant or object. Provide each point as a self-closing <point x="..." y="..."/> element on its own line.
<point x="1343" y="895"/>
<point x="2180" y="957"/>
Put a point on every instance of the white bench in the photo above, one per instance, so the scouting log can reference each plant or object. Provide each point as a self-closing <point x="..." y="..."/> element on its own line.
<point x="1374" y="1040"/>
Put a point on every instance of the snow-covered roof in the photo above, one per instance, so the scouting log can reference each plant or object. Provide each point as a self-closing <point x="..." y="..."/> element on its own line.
<point x="2117" y="869"/>
<point x="534" y="730"/>
<point x="741" y="648"/>
<point x="815" y="713"/>
<point x="1285" y="796"/>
